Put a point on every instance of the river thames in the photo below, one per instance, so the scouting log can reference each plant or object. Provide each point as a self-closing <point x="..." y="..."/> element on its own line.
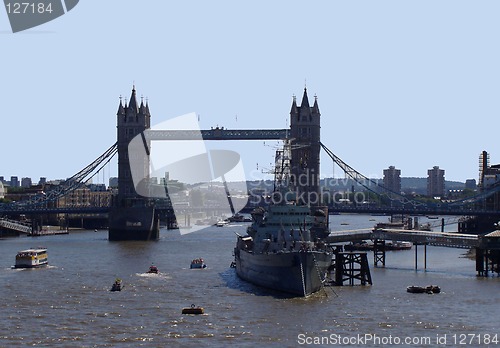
<point x="68" y="303"/>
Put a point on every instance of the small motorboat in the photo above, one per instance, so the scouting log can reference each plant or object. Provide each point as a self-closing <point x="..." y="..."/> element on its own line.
<point x="415" y="289"/>
<point x="396" y="245"/>
<point x="117" y="285"/>
<point x="198" y="263"/>
<point x="221" y="223"/>
<point x="434" y="289"/>
<point x="236" y="218"/>
<point x="430" y="289"/>
<point x="153" y="269"/>
<point x="193" y="310"/>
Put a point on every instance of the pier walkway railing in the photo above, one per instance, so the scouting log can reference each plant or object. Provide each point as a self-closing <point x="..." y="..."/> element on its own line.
<point x="445" y="239"/>
<point x="15" y="226"/>
<point x="349" y="236"/>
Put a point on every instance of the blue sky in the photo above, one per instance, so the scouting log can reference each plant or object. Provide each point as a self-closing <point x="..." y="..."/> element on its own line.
<point x="412" y="84"/>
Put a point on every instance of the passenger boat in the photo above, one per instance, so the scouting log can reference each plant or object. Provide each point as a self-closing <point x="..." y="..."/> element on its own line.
<point x="367" y="246"/>
<point x="361" y="246"/>
<point x="31" y="258"/>
<point x="117" y="285"/>
<point x="399" y="245"/>
<point x="198" y="263"/>
<point x="153" y="269"/>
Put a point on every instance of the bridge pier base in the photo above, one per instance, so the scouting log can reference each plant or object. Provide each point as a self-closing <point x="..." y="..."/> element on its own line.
<point x="133" y="223"/>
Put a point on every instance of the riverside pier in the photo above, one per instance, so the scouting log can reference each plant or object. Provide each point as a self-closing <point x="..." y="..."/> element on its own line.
<point x="485" y="246"/>
<point x="16" y="228"/>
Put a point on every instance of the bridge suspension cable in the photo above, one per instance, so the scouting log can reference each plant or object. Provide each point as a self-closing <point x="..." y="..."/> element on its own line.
<point x="72" y="183"/>
<point x="478" y="197"/>
<point x="362" y="180"/>
<point x="366" y="182"/>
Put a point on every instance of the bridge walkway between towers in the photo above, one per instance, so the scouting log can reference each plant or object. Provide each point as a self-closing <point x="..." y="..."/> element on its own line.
<point x="217" y="134"/>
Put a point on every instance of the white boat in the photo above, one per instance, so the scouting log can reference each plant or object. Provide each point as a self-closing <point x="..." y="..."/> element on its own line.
<point x="221" y="223"/>
<point x="397" y="245"/>
<point x="31" y="258"/>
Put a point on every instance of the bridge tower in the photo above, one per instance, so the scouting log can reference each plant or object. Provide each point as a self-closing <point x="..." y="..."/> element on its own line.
<point x="305" y="128"/>
<point x="132" y="217"/>
<point x="131" y="121"/>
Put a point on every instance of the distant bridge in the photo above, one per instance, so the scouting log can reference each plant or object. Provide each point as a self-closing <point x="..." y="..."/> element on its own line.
<point x="38" y="209"/>
<point x="443" y="209"/>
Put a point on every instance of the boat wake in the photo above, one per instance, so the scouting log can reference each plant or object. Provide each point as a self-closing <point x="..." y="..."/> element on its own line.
<point x="31" y="268"/>
<point x="153" y="275"/>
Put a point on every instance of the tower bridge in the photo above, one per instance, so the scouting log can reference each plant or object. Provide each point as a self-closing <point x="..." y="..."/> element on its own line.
<point x="135" y="217"/>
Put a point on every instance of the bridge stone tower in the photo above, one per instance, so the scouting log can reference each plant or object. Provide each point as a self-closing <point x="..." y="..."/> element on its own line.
<point x="305" y="128"/>
<point x="131" y="121"/>
<point x="132" y="217"/>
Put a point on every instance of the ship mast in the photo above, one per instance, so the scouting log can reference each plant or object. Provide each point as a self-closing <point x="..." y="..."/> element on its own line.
<point x="282" y="173"/>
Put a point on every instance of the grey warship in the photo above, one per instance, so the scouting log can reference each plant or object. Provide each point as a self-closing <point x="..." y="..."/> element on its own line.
<point x="281" y="251"/>
<point x="284" y="249"/>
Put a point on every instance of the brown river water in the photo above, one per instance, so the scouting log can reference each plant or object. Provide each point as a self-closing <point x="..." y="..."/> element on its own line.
<point x="68" y="303"/>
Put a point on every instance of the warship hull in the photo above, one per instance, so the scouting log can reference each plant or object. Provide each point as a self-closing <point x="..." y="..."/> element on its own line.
<point x="299" y="273"/>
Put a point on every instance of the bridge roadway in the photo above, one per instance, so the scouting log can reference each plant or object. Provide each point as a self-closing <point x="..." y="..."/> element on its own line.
<point x="445" y="239"/>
